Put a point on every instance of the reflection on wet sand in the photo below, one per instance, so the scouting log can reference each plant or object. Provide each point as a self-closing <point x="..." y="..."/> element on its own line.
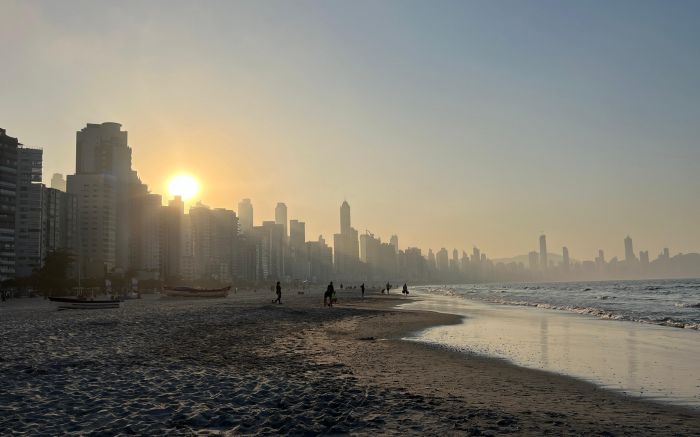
<point x="638" y="359"/>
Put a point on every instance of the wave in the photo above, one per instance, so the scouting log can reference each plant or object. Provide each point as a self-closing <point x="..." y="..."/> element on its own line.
<point x="687" y="305"/>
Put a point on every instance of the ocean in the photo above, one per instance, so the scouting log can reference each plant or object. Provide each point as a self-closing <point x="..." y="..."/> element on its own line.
<point x="669" y="302"/>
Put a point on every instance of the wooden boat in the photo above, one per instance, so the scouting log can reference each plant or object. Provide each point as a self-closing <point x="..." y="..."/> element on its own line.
<point x="195" y="292"/>
<point x="70" y="303"/>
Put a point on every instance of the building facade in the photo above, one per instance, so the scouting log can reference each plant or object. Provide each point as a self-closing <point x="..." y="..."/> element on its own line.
<point x="8" y="204"/>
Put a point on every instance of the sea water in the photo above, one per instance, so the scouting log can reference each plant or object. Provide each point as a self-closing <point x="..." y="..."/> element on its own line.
<point x="670" y="302"/>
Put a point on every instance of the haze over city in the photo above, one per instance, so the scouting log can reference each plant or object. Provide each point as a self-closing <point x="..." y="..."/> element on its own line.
<point x="349" y="217"/>
<point x="466" y="125"/>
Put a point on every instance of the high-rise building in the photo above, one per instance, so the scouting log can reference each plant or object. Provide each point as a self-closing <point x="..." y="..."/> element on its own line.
<point x="103" y="183"/>
<point x="145" y="219"/>
<point x="271" y="262"/>
<point x="61" y="220"/>
<point x="29" y="236"/>
<point x="245" y="216"/>
<point x="344" y="217"/>
<point x="600" y="260"/>
<point x="644" y="257"/>
<point x="442" y="260"/>
<point x="629" y="251"/>
<point x="320" y="267"/>
<point x="533" y="261"/>
<point x="476" y="256"/>
<point x="394" y="241"/>
<point x="414" y="268"/>
<point x="346" y="246"/>
<point x="454" y="262"/>
<point x="214" y="234"/>
<point x="171" y="241"/>
<point x="543" y="252"/>
<point x="369" y="249"/>
<point x="58" y="182"/>
<point x="432" y="263"/>
<point x="565" y="258"/>
<point x="297" y="233"/>
<point x="8" y="204"/>
<point x="298" y="264"/>
<point x="187" y="264"/>
<point x="281" y="217"/>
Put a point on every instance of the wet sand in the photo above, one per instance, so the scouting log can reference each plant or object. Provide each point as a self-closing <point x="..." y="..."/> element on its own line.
<point x="245" y="366"/>
<point x="643" y="360"/>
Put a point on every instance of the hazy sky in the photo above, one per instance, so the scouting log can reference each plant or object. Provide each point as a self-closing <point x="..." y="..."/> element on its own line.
<point x="449" y="123"/>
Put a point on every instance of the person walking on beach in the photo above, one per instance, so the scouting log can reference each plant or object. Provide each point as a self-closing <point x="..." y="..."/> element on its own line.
<point x="405" y="290"/>
<point x="278" y="288"/>
<point x="328" y="295"/>
<point x="362" y="287"/>
<point x="388" y="287"/>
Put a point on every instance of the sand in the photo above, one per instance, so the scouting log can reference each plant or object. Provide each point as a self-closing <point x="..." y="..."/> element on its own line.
<point x="242" y="365"/>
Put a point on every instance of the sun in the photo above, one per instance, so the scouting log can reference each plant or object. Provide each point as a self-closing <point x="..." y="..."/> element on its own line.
<point x="183" y="185"/>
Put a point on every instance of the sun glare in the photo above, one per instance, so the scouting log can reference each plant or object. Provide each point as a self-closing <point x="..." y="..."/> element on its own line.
<point x="183" y="185"/>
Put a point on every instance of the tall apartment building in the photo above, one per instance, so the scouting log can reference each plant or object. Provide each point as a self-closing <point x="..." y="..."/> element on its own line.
<point x="61" y="219"/>
<point x="245" y="215"/>
<point x="270" y="242"/>
<point x="103" y="184"/>
<point x="30" y="250"/>
<point x="346" y="245"/>
<point x="171" y="239"/>
<point x="214" y="233"/>
<point x="8" y="204"/>
<point x="144" y="238"/>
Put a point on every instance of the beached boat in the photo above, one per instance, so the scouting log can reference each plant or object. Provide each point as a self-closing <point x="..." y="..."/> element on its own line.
<point x="195" y="292"/>
<point x="69" y="303"/>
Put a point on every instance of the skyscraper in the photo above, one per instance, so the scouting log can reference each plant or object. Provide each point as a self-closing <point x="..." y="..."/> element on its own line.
<point x="30" y="250"/>
<point x="245" y="216"/>
<point x="102" y="185"/>
<point x="629" y="251"/>
<point x="145" y="233"/>
<point x="8" y="204"/>
<point x="346" y="245"/>
<point x="565" y="258"/>
<point x="58" y="182"/>
<point x="442" y="260"/>
<point x="281" y="217"/>
<point x="533" y="261"/>
<point x="298" y="265"/>
<point x="344" y="217"/>
<point x="60" y="220"/>
<point x="171" y="229"/>
<point x="394" y="241"/>
<point x="297" y="233"/>
<point x="543" y="252"/>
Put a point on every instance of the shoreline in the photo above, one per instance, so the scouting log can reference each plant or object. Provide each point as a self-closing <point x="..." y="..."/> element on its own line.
<point x="638" y="360"/>
<point x="244" y="366"/>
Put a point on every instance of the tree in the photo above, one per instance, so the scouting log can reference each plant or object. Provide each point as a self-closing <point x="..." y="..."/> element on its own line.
<point x="52" y="279"/>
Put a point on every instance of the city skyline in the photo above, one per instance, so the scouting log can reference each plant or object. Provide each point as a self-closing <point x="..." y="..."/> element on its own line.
<point x="245" y="215"/>
<point x="510" y="136"/>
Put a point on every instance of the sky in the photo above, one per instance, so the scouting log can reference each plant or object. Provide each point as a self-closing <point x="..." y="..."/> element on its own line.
<point x="450" y="124"/>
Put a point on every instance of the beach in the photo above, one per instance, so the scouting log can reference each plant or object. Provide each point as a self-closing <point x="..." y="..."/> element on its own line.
<point x="243" y="365"/>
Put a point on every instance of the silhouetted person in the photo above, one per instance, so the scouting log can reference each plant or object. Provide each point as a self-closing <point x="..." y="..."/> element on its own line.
<point x="405" y="290"/>
<point x="329" y="295"/>
<point x="278" y="288"/>
<point x="362" y="287"/>
<point x="388" y="287"/>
